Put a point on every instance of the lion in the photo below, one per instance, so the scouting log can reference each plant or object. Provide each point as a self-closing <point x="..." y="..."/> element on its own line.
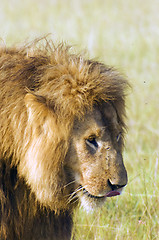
<point x="62" y="127"/>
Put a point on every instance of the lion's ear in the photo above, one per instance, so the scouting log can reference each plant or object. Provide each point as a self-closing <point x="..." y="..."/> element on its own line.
<point x="39" y="115"/>
<point x="35" y="104"/>
<point x="30" y="98"/>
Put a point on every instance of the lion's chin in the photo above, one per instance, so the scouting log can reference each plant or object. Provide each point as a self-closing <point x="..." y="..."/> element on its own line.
<point x="89" y="202"/>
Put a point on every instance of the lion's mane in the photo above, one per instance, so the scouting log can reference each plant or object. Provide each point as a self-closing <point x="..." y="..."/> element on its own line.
<point x="43" y="90"/>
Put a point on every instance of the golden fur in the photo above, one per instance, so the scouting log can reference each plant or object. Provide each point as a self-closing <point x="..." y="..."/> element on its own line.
<point x="61" y="117"/>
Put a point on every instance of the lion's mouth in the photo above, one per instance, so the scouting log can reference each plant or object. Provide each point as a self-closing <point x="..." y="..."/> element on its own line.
<point x="109" y="194"/>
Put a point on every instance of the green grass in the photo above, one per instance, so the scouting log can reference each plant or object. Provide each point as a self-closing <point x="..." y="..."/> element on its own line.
<point x="124" y="34"/>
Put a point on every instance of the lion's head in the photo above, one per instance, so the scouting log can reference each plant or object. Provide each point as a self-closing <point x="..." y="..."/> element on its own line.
<point x="70" y="118"/>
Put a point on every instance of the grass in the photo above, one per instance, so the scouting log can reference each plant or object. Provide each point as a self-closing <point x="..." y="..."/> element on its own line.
<point x="124" y="34"/>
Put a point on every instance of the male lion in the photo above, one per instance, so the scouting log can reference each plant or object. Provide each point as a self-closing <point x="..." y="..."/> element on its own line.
<point x="61" y="139"/>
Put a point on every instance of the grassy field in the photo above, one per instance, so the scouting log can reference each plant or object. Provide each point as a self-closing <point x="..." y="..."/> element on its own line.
<point x="124" y="34"/>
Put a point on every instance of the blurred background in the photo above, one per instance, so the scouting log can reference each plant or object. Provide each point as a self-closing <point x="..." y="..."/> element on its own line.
<point x="125" y="34"/>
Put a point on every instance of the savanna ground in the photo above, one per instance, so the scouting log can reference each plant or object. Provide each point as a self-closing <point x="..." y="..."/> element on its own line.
<point x="123" y="33"/>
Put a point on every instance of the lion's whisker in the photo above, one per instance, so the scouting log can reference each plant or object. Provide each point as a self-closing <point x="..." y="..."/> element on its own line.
<point x="76" y="191"/>
<point x="73" y="201"/>
<point x="69" y="183"/>
<point x="74" y="194"/>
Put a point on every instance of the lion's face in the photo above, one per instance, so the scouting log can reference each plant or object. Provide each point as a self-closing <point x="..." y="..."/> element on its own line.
<point x="85" y="165"/>
<point x="95" y="157"/>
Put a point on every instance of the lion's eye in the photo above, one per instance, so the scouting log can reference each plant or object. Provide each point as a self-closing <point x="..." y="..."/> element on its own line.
<point x="118" y="137"/>
<point x="91" y="141"/>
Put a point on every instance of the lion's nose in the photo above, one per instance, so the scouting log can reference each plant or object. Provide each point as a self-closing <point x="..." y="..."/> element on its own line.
<point x="115" y="186"/>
